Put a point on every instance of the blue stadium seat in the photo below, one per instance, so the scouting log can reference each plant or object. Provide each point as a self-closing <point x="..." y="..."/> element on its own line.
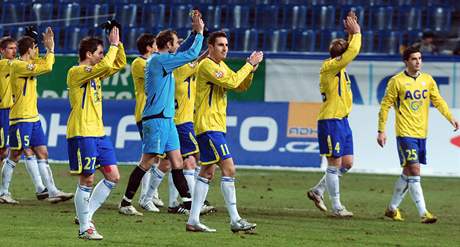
<point x="410" y="18"/>
<point x="324" y="17"/>
<point x="367" y="42"/>
<point x="406" y="2"/>
<point x="267" y="16"/>
<point x="180" y="16"/>
<point x="69" y="12"/>
<point x="324" y="37"/>
<point x="238" y="16"/>
<point x="41" y="12"/>
<point x="98" y="14"/>
<point x="245" y="39"/>
<point x="153" y="16"/>
<point x="439" y="18"/>
<point x="126" y="14"/>
<point x="381" y="18"/>
<point x="410" y="37"/>
<point x="388" y="42"/>
<point x="275" y="40"/>
<point x="73" y="36"/>
<point x="130" y="38"/>
<point x="295" y="16"/>
<point x="12" y="12"/>
<point x="359" y="11"/>
<point x="213" y="16"/>
<point x="304" y="40"/>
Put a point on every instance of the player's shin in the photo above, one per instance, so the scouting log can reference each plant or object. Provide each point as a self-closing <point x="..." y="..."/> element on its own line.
<point x="332" y="184"/>
<point x="173" y="193"/>
<point x="34" y="172"/>
<point x="199" y="195"/>
<point x="133" y="184"/>
<point x="416" y="192"/>
<point x="155" y="181"/>
<point x="400" y="190"/>
<point x="7" y="174"/>
<point x="181" y="185"/>
<point x="145" y="183"/>
<point x="100" y="194"/>
<point x="81" y="200"/>
<point x="227" y="185"/>
<point x="47" y="176"/>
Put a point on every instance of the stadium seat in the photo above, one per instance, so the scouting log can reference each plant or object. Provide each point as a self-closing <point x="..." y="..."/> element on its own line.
<point x="324" y="17"/>
<point x="97" y="14"/>
<point x="388" y="42"/>
<point x="130" y="38"/>
<point x="238" y="16"/>
<point x="126" y="14"/>
<point x="267" y="16"/>
<point x="154" y="16"/>
<point x="381" y="18"/>
<point x="41" y="12"/>
<point x="410" y="18"/>
<point x="180" y="16"/>
<point x="439" y="18"/>
<point x="12" y="12"/>
<point x="73" y="37"/>
<point x="245" y="39"/>
<point x="213" y="16"/>
<point x="275" y="40"/>
<point x="295" y="16"/>
<point x="367" y="44"/>
<point x="410" y="37"/>
<point x="69" y="12"/>
<point x="304" y="40"/>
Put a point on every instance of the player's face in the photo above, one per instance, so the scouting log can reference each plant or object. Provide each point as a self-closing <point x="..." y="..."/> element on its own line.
<point x="219" y="49"/>
<point x="10" y="51"/>
<point x="33" y="52"/>
<point x="175" y="44"/>
<point x="414" y="63"/>
<point x="96" y="56"/>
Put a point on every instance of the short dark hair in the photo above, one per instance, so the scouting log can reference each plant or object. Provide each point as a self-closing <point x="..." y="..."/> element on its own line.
<point x="24" y="44"/>
<point x="164" y="37"/>
<point x="407" y="52"/>
<point x="88" y="44"/>
<point x="5" y="41"/>
<point x="214" y="35"/>
<point x="337" y="47"/>
<point x="146" y="39"/>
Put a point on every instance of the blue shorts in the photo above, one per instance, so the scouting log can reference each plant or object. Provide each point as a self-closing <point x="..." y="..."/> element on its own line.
<point x="139" y="128"/>
<point x="213" y="147"/>
<point x="160" y="136"/>
<point x="23" y="135"/>
<point x="86" y="154"/>
<point x="188" y="143"/>
<point x="4" y="127"/>
<point x="335" y="137"/>
<point x="411" y="150"/>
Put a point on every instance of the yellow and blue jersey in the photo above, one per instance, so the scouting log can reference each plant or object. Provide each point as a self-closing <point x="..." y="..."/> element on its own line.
<point x="159" y="80"/>
<point x="6" y="99"/>
<point x="411" y="98"/>
<point x="335" y="84"/>
<point x="185" y="93"/>
<point x="24" y="87"/>
<point x="85" y="93"/>
<point x="212" y="82"/>
<point x="138" y="71"/>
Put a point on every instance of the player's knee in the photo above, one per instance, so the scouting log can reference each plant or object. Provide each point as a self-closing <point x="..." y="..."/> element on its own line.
<point x="189" y="163"/>
<point x="412" y="170"/>
<point x="228" y="171"/>
<point x="114" y="178"/>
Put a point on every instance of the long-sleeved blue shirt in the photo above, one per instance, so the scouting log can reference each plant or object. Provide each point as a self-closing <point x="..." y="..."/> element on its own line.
<point x="159" y="80"/>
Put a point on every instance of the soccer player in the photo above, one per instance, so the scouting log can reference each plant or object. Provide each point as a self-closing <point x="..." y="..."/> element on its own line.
<point x="213" y="79"/>
<point x="88" y="146"/>
<point x="146" y="46"/>
<point x="26" y="135"/>
<point x="160" y="133"/>
<point x="411" y="92"/>
<point x="334" y="133"/>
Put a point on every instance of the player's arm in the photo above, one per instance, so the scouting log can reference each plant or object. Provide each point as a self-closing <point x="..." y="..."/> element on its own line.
<point x="137" y="70"/>
<point x="441" y="105"/>
<point x="391" y="96"/>
<point x="224" y="77"/>
<point x="25" y="69"/>
<point x="100" y="69"/>
<point x="173" y="61"/>
<point x="119" y="63"/>
<point x="348" y="56"/>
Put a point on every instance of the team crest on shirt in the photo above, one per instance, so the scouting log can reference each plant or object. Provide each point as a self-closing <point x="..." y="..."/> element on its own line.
<point x="423" y="83"/>
<point x="88" y="69"/>
<point x="192" y="65"/>
<point x="219" y="74"/>
<point x="338" y="58"/>
<point x="30" y="66"/>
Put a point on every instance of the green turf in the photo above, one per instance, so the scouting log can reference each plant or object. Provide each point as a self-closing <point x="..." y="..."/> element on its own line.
<point x="275" y="200"/>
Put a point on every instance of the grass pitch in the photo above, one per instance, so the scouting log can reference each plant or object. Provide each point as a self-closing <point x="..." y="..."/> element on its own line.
<point x="275" y="200"/>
